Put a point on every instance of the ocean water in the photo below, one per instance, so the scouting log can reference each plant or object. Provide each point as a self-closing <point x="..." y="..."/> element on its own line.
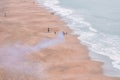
<point x="97" y="23"/>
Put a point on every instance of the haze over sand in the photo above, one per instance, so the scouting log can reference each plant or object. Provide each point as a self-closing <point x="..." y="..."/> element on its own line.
<point x="23" y="26"/>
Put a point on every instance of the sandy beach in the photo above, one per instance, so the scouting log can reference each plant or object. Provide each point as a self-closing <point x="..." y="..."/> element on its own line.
<point x="25" y="22"/>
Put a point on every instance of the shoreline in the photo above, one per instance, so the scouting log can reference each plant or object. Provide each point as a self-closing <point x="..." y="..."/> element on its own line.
<point x="69" y="60"/>
<point x="108" y="69"/>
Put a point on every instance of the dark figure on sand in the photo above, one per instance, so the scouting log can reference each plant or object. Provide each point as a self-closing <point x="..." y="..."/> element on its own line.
<point x="48" y="29"/>
<point x="55" y="32"/>
<point x="64" y="33"/>
<point x="52" y="13"/>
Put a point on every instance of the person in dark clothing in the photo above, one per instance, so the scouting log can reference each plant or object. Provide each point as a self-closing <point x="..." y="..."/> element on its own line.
<point x="48" y="29"/>
<point x="55" y="32"/>
<point x="63" y="33"/>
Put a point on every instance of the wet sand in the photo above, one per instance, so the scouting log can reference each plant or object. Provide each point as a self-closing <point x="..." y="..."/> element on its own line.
<point x="24" y="22"/>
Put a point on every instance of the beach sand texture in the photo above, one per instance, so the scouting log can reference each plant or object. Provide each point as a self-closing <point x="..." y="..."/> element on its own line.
<point x="24" y="22"/>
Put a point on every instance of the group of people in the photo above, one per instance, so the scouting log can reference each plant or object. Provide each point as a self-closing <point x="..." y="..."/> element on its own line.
<point x="64" y="33"/>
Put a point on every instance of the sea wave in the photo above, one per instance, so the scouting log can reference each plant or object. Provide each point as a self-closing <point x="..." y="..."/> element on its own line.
<point x="104" y="44"/>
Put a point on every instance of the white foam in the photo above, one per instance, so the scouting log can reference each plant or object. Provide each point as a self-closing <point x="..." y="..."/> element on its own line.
<point x="108" y="45"/>
<point x="105" y="45"/>
<point x="53" y="5"/>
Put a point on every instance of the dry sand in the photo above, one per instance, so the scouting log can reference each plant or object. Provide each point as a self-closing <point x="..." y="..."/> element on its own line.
<point x="27" y="22"/>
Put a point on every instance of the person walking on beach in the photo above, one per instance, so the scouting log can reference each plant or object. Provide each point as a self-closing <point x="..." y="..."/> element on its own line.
<point x="63" y="33"/>
<point x="55" y="32"/>
<point x="66" y="33"/>
<point x="48" y="29"/>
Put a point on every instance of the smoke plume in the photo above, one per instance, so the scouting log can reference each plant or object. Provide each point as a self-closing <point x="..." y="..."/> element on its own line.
<point x="12" y="56"/>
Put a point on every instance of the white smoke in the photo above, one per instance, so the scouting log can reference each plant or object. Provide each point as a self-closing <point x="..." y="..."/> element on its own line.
<point x="12" y="57"/>
<point x="49" y="43"/>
